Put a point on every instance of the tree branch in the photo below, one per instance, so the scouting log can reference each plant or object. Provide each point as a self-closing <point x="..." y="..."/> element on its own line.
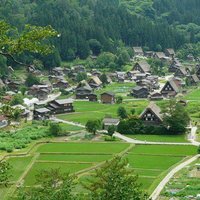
<point x="8" y="55"/>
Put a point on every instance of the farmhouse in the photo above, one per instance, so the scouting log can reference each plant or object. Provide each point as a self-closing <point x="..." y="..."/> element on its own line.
<point x="142" y="67"/>
<point x="95" y="82"/>
<point x="152" y="114"/>
<point x="62" y="84"/>
<point x="61" y="106"/>
<point x="181" y="72"/>
<point x="58" y="71"/>
<point x="110" y="122"/>
<point x="108" y="98"/>
<point x="170" y="53"/>
<point x="138" y="51"/>
<point x="84" y="91"/>
<point x="156" y="96"/>
<point x="171" y="88"/>
<point x="79" y="69"/>
<point x="139" y="92"/>
<point x="121" y="76"/>
<point x="41" y="114"/>
<point x="13" y="85"/>
<point x="3" y="121"/>
<point x="160" y="56"/>
<point x="193" y="79"/>
<point x="40" y="91"/>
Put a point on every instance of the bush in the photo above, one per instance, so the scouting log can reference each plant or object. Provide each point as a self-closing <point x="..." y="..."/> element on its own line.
<point x="110" y="139"/>
<point x="9" y="148"/>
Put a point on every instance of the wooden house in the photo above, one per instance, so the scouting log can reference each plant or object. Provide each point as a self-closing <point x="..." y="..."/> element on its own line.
<point x="13" y="85"/>
<point x="140" y="92"/>
<point x="138" y="51"/>
<point x="61" y="84"/>
<point x="110" y="122"/>
<point x="171" y="88"/>
<point x="108" y="98"/>
<point x="121" y="76"/>
<point x="61" y="106"/>
<point x="152" y="114"/>
<point x="170" y="53"/>
<point x="58" y="71"/>
<point x="160" y="55"/>
<point x="95" y="82"/>
<point x="41" y="114"/>
<point x="181" y="72"/>
<point x="193" y="79"/>
<point x="40" y="91"/>
<point x="142" y="67"/>
<point x="79" y="69"/>
<point x="154" y="96"/>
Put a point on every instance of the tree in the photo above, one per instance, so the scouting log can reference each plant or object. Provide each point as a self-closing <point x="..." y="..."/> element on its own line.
<point x="4" y="175"/>
<point x="16" y="100"/>
<point x="176" y="118"/>
<point x="198" y="150"/>
<point x="121" y="112"/>
<point x="133" y="111"/>
<point x="115" y="181"/>
<point x="111" y="130"/>
<point x="104" y="79"/>
<point x="119" y="99"/>
<point x="23" y="89"/>
<point x="81" y="76"/>
<point x="93" y="125"/>
<point x="32" y="39"/>
<point x="95" y="46"/>
<point x="31" y="80"/>
<point x="53" y="185"/>
<point x="54" y="129"/>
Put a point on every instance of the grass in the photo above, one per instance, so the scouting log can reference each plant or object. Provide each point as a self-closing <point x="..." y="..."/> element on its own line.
<point x="70" y="128"/>
<point x="193" y="95"/>
<point x="74" y="158"/>
<point x="64" y="167"/>
<point x="81" y="148"/>
<point x="119" y="89"/>
<point x="160" y="138"/>
<point x="18" y="165"/>
<point x="97" y="110"/>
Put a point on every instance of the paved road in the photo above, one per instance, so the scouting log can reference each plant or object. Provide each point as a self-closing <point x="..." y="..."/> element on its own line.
<point x="66" y="122"/>
<point x="162" y="184"/>
<point x="130" y="140"/>
<point x="192" y="136"/>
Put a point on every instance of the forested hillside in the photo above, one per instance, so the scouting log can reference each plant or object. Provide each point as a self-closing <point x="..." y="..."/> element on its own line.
<point x="88" y="24"/>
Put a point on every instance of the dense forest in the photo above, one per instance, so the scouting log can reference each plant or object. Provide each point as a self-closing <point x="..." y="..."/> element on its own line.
<point x="92" y="26"/>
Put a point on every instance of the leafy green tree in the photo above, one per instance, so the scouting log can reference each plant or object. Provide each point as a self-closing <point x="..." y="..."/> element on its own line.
<point x="95" y="46"/>
<point x="111" y="130"/>
<point x="31" y="80"/>
<point x="4" y="175"/>
<point x="104" y="79"/>
<point x="119" y="99"/>
<point x="32" y="39"/>
<point x="53" y="185"/>
<point x="16" y="100"/>
<point x="124" y="184"/>
<point x="93" y="125"/>
<point x="198" y="150"/>
<point x="81" y="76"/>
<point x="122" y="113"/>
<point x="133" y="111"/>
<point x="176" y="118"/>
<point x="23" y="89"/>
<point x="54" y="129"/>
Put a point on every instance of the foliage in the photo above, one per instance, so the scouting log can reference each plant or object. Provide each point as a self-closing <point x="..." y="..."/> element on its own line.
<point x="93" y="125"/>
<point x="119" y="99"/>
<point x="198" y="150"/>
<point x="123" y="186"/>
<point x="104" y="79"/>
<point x="16" y="100"/>
<point x="111" y="130"/>
<point x="31" y="80"/>
<point x="176" y="118"/>
<point x="53" y="185"/>
<point x="4" y="175"/>
<point x="122" y="113"/>
<point x="54" y="129"/>
<point x="95" y="46"/>
<point x="81" y="76"/>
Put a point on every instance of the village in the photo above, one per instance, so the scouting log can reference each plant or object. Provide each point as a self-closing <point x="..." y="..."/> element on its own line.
<point x="111" y="108"/>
